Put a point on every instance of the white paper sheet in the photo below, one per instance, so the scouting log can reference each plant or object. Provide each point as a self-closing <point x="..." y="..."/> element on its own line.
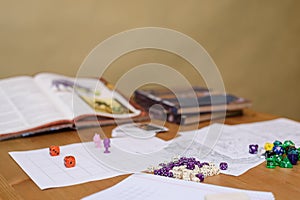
<point x="138" y="156"/>
<point x="139" y="146"/>
<point x="232" y="145"/>
<point x="127" y="155"/>
<point x="149" y="187"/>
<point x="49" y="171"/>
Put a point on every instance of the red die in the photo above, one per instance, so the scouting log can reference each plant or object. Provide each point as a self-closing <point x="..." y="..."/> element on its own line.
<point x="69" y="161"/>
<point x="54" y="150"/>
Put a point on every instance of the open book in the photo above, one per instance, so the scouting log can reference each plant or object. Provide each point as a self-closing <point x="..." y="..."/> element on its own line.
<point x="51" y="101"/>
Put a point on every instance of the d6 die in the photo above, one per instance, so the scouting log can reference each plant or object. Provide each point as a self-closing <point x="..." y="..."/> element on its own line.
<point x="54" y="150"/>
<point x="69" y="161"/>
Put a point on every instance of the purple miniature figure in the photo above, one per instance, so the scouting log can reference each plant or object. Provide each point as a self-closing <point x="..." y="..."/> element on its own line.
<point x="253" y="148"/>
<point x="106" y="143"/>
<point x="97" y="140"/>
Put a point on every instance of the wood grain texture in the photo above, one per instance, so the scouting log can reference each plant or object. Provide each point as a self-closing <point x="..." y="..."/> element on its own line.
<point x="284" y="183"/>
<point x="6" y="191"/>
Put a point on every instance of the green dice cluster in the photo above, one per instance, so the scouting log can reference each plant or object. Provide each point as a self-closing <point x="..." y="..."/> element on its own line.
<point x="280" y="154"/>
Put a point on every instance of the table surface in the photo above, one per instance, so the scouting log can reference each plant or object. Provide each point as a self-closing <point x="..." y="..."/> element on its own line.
<point x="15" y="184"/>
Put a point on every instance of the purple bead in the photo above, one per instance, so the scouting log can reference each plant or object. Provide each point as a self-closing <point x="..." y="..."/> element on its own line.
<point x="223" y="165"/>
<point x="200" y="176"/>
<point x="155" y="172"/>
<point x="253" y="148"/>
<point x="205" y="163"/>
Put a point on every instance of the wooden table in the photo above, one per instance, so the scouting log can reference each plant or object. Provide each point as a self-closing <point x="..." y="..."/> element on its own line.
<point x="15" y="184"/>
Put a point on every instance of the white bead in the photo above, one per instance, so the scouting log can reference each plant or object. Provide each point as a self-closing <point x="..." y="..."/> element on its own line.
<point x="195" y="179"/>
<point x="176" y="168"/>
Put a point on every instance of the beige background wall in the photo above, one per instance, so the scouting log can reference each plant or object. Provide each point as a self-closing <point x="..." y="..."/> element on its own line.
<point x="255" y="44"/>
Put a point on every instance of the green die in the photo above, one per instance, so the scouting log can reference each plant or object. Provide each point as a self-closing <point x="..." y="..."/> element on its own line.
<point x="285" y="163"/>
<point x="277" y="159"/>
<point x="270" y="163"/>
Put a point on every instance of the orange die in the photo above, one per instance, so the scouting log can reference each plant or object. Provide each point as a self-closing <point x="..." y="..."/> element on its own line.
<point x="54" y="150"/>
<point x="69" y="161"/>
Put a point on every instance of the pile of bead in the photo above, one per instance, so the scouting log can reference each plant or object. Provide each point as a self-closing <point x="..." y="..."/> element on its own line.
<point x="188" y="169"/>
<point x="280" y="154"/>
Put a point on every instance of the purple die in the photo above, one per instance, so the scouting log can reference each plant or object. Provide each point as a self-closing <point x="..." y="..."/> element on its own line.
<point x="170" y="165"/>
<point x="200" y="176"/>
<point x="191" y="159"/>
<point x="190" y="165"/>
<point x="253" y="148"/>
<point x="223" y="165"/>
<point x="293" y="158"/>
<point x="197" y="162"/>
<point x="159" y="172"/>
<point x="164" y="169"/>
<point x="292" y="155"/>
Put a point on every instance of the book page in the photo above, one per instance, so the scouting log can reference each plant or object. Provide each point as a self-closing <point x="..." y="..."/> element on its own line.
<point x="85" y="96"/>
<point x="23" y="106"/>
